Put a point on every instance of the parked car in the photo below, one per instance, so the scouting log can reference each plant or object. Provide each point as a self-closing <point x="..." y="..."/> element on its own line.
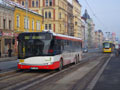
<point x="85" y="50"/>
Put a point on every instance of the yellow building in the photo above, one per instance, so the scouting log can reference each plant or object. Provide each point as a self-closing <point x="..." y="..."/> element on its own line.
<point x="25" y="20"/>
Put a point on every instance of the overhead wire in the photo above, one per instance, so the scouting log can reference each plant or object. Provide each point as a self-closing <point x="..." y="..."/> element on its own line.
<point x="97" y="18"/>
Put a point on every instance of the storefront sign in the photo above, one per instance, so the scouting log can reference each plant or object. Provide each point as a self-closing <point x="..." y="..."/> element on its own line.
<point x="7" y="34"/>
<point x="16" y="34"/>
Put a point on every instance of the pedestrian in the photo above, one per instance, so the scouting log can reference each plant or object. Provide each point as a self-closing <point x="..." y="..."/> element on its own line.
<point x="117" y="52"/>
<point x="9" y="52"/>
<point x="0" y="53"/>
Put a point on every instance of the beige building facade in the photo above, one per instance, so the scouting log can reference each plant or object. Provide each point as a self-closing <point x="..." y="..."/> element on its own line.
<point x="99" y="38"/>
<point x="6" y="29"/>
<point x="70" y="19"/>
<point x="77" y="19"/>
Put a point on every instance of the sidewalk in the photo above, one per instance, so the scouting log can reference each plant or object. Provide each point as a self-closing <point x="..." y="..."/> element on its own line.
<point x="110" y="78"/>
<point x="3" y="59"/>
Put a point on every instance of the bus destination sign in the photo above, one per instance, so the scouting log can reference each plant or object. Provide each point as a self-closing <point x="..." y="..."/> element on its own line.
<point x="34" y="37"/>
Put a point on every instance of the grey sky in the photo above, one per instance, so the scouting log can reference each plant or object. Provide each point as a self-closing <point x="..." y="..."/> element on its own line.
<point x="108" y="11"/>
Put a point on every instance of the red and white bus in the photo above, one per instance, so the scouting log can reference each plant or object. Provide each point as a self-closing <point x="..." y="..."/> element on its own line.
<point x="47" y="50"/>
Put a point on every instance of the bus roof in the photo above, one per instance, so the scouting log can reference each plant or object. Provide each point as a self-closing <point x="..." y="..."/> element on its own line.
<point x="58" y="36"/>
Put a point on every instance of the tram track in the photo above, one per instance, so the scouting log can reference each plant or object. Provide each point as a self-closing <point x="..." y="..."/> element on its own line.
<point x="21" y="78"/>
<point x="25" y="79"/>
<point x="47" y="80"/>
<point x="83" y="83"/>
<point x="50" y="81"/>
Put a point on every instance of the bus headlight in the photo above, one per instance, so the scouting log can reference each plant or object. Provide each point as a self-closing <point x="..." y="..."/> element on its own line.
<point x="21" y="60"/>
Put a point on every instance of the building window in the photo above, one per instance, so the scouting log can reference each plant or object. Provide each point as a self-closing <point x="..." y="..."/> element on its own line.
<point x="23" y="3"/>
<point x="75" y="23"/>
<point x="18" y="21"/>
<point x="49" y="14"/>
<point x="45" y="26"/>
<point x="37" y="3"/>
<point x="46" y="3"/>
<point x="33" y="4"/>
<point x="45" y="14"/>
<point x="4" y="23"/>
<point x="38" y="25"/>
<point x="50" y="27"/>
<point x="50" y="2"/>
<point x="32" y="24"/>
<point x="26" y="23"/>
<point x="10" y="24"/>
<point x="60" y="15"/>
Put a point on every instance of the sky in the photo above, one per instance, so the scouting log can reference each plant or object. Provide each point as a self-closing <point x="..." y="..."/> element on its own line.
<point x="107" y="14"/>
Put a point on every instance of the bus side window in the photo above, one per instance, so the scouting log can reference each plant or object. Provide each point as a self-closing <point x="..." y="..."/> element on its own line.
<point x="62" y="45"/>
<point x="57" y="46"/>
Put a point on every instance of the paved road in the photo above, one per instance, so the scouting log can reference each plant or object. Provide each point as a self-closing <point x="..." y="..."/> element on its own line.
<point x="94" y="50"/>
<point x="110" y="79"/>
<point x="9" y="65"/>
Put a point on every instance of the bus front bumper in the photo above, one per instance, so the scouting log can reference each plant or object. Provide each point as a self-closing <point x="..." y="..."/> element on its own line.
<point x="107" y="50"/>
<point x="53" y="66"/>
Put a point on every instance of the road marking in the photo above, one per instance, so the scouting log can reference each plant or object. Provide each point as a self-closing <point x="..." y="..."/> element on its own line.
<point x="95" y="79"/>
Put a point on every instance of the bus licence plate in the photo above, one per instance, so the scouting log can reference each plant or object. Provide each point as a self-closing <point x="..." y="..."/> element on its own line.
<point x="34" y="68"/>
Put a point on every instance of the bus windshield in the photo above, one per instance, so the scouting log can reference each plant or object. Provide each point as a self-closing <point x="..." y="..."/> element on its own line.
<point x="106" y="45"/>
<point x="33" y="47"/>
<point x="33" y="44"/>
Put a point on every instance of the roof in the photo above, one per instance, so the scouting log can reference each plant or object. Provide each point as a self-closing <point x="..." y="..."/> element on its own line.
<point x="6" y="6"/>
<point x="70" y="1"/>
<point x="86" y="15"/>
<point x="100" y="31"/>
<point x="20" y="6"/>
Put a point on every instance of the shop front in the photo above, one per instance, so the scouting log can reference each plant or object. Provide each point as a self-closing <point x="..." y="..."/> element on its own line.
<point x="7" y="43"/>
